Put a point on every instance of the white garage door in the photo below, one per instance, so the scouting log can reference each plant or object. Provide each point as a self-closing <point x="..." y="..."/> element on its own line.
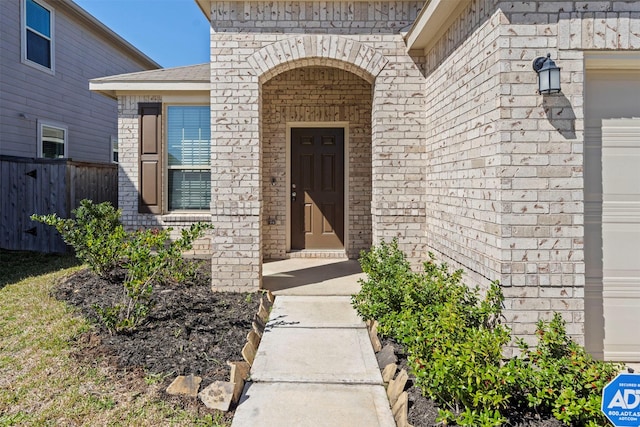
<point x="621" y="238"/>
<point x="612" y="215"/>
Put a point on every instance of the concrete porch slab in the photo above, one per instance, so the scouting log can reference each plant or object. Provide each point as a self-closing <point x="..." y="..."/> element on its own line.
<point x="312" y="276"/>
<point x="313" y="312"/>
<point x="342" y="356"/>
<point x="313" y="405"/>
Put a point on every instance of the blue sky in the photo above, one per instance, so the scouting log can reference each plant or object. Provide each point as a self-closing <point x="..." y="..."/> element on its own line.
<point x="171" y="32"/>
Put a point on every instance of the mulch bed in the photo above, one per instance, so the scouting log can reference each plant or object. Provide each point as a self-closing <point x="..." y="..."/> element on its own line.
<point x="190" y="330"/>
<point x="193" y="330"/>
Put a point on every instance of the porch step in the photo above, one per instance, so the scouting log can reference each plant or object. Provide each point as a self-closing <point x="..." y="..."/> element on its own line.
<point x="336" y="254"/>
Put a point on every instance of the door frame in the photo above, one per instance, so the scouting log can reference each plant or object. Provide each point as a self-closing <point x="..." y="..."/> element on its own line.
<point x="291" y="125"/>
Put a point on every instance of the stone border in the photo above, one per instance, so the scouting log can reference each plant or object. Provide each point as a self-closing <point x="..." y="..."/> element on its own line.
<point x="222" y="394"/>
<point x="398" y="398"/>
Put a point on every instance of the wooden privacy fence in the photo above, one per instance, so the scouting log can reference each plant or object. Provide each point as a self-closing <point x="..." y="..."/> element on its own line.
<point x="44" y="186"/>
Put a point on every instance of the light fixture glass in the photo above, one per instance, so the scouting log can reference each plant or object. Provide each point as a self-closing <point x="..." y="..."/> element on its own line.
<point x="548" y="74"/>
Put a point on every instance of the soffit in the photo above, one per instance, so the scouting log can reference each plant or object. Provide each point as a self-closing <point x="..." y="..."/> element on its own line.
<point x="432" y="20"/>
<point x="205" y="7"/>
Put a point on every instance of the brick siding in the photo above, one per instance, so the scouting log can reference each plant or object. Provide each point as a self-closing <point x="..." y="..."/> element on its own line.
<point x="451" y="149"/>
<point x="320" y="95"/>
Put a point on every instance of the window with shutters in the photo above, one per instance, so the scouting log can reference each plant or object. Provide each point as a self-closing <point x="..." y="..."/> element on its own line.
<point x="37" y="35"/>
<point x="188" y="157"/>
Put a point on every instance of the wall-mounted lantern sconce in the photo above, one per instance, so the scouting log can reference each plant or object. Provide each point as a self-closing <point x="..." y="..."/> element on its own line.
<point x="273" y="180"/>
<point x="548" y="74"/>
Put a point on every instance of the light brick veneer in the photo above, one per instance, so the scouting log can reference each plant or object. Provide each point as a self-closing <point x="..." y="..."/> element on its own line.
<point x="456" y="153"/>
<point x="319" y="95"/>
<point x="252" y="43"/>
<point x="505" y="198"/>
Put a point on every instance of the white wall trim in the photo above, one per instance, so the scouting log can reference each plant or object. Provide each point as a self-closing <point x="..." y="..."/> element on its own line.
<point x="176" y="101"/>
<point x="41" y="123"/>
<point x="434" y="18"/>
<point x="203" y="99"/>
<point x="612" y="61"/>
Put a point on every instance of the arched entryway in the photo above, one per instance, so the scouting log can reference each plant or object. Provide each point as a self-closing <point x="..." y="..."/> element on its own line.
<point x="256" y="103"/>
<point x="316" y="162"/>
<point x="316" y="91"/>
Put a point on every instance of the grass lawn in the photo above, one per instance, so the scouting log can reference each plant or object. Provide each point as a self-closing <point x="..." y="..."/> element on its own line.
<point x="41" y="382"/>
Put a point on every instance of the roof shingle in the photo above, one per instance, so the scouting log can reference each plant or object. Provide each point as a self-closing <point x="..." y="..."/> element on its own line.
<point x="189" y="73"/>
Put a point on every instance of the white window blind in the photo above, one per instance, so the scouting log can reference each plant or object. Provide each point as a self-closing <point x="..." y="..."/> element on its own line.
<point x="189" y="153"/>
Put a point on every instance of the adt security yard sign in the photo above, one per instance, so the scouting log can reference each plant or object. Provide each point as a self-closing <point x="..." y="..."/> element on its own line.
<point x="621" y="400"/>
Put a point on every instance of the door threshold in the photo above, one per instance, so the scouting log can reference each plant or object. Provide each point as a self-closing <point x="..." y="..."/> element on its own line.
<point x="318" y="253"/>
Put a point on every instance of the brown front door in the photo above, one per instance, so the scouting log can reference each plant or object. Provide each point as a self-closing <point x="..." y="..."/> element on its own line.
<point x="317" y="188"/>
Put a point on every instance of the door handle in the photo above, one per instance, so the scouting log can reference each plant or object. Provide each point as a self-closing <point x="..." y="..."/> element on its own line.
<point x="293" y="196"/>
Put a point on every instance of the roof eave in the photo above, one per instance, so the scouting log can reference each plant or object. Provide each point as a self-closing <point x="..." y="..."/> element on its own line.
<point x="114" y="88"/>
<point x="430" y="21"/>
<point x="205" y="7"/>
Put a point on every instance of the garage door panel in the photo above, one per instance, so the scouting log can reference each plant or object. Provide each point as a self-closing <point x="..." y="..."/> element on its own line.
<point x="621" y="237"/>
<point x="621" y="177"/>
<point x="620" y="249"/>
<point x="621" y="319"/>
<point x="612" y="191"/>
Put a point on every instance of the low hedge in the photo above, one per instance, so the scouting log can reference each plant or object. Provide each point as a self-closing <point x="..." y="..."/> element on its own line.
<point x="455" y="339"/>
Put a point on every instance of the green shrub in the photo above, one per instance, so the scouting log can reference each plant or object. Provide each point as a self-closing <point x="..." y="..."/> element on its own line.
<point x="454" y="341"/>
<point x="95" y="234"/>
<point x="149" y="257"/>
<point x="560" y="377"/>
<point x="455" y="345"/>
<point x="388" y="276"/>
<point x="451" y="335"/>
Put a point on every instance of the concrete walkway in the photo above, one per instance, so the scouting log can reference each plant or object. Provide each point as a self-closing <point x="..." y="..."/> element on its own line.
<point x="315" y="365"/>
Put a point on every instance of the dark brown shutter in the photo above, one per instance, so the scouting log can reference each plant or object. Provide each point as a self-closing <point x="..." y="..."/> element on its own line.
<point x="150" y="197"/>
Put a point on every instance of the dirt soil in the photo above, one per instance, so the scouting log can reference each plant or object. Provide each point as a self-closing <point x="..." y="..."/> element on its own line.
<point x="192" y="330"/>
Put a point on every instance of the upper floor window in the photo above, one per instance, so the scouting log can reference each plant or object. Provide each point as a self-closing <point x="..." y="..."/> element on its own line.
<point x="188" y="157"/>
<point x="38" y="34"/>
<point x="52" y="141"/>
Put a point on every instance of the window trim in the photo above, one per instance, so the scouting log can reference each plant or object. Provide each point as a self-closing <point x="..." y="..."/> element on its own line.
<point x="54" y="125"/>
<point x="165" y="155"/>
<point x="23" y="37"/>
<point x="114" y="147"/>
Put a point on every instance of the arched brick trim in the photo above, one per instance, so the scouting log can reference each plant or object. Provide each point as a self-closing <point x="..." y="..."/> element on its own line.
<point x="317" y="50"/>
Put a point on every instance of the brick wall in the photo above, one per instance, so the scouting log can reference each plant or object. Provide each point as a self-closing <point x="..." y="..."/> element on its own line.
<point x="505" y="180"/>
<point x="543" y="182"/>
<point x="320" y="95"/>
<point x="466" y="159"/>
<point x="254" y="42"/>
<point x="463" y="146"/>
